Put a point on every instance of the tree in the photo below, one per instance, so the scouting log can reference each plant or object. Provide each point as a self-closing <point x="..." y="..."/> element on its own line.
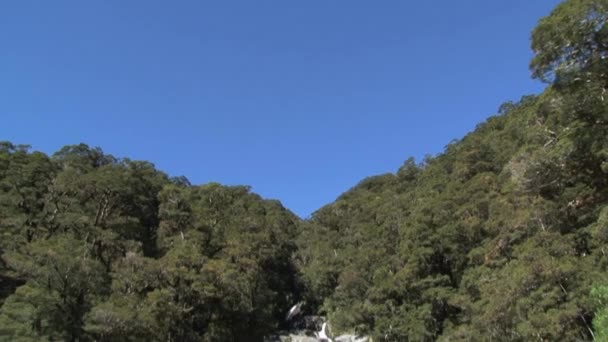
<point x="63" y="280"/>
<point x="600" y="323"/>
<point x="571" y="41"/>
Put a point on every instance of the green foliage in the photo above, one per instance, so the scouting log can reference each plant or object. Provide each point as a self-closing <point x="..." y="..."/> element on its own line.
<point x="501" y="236"/>
<point x="63" y="280"/>
<point x="100" y="248"/>
<point x="573" y="38"/>
<point x="600" y="322"/>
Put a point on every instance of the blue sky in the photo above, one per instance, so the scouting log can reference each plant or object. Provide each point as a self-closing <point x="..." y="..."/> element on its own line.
<point x="299" y="99"/>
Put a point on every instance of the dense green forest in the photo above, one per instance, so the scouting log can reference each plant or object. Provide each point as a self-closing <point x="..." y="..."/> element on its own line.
<point x="502" y="237"/>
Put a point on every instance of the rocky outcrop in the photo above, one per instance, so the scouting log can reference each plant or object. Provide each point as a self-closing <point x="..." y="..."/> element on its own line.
<point x="351" y="338"/>
<point x="305" y="329"/>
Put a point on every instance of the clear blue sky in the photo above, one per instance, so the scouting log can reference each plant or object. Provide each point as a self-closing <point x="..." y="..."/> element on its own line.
<point x="299" y="99"/>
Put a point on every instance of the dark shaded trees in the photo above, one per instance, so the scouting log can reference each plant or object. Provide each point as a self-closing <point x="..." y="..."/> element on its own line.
<point x="100" y="248"/>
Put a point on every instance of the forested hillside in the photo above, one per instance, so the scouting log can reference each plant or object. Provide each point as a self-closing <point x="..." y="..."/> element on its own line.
<point x="106" y="249"/>
<point x="502" y="237"/>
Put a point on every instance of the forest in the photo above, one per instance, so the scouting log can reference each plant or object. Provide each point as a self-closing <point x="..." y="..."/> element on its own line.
<point x="502" y="237"/>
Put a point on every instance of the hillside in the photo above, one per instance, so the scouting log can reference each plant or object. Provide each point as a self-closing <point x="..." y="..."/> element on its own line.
<point x="501" y="237"/>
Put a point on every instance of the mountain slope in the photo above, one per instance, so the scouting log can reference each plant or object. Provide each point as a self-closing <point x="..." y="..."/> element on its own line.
<point x="500" y="237"/>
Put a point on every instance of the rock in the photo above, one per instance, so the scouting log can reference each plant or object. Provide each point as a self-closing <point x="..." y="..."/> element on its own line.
<point x="301" y="338"/>
<point x="292" y="338"/>
<point x="309" y="323"/>
<point x="304" y="329"/>
<point x="351" y="338"/>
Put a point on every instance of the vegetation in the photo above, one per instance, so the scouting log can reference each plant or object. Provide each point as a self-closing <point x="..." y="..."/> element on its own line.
<point x="502" y="237"/>
<point x="99" y="248"/>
